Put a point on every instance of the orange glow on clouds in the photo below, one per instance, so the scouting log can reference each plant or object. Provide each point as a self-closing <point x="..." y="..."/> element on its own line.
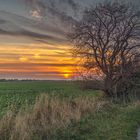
<point x="23" y="59"/>
<point x="37" y="61"/>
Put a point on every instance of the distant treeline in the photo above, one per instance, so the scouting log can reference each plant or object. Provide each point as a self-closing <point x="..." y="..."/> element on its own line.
<point x="7" y="80"/>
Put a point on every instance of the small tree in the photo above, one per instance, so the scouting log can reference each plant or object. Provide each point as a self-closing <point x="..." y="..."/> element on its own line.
<point x="107" y="38"/>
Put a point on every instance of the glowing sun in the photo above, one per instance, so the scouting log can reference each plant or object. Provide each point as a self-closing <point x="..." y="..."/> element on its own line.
<point x="66" y="75"/>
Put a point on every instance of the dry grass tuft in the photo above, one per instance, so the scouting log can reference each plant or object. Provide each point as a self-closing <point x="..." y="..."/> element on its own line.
<point x="137" y="103"/>
<point x="46" y="117"/>
<point x="6" y="125"/>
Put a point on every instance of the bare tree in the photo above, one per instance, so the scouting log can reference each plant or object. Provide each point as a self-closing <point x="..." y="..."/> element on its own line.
<point x="107" y="37"/>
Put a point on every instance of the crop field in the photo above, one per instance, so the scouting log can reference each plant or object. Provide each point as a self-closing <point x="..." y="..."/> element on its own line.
<point x="63" y="112"/>
<point x="18" y="93"/>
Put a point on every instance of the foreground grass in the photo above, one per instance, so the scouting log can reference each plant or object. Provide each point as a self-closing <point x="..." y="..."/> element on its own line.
<point x="47" y="117"/>
<point x="111" y="123"/>
<point x="81" y="118"/>
<point x="64" y="112"/>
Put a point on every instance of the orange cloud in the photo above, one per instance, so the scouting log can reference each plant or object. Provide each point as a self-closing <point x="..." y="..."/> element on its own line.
<point x="36" y="60"/>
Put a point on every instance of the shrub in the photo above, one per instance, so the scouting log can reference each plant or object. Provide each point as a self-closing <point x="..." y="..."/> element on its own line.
<point x="91" y="84"/>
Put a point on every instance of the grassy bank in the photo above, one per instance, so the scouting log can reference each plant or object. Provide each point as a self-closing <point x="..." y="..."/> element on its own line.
<point x="63" y="112"/>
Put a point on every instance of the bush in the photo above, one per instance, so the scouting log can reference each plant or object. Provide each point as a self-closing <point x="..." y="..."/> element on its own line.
<point x="91" y="84"/>
<point x="128" y="88"/>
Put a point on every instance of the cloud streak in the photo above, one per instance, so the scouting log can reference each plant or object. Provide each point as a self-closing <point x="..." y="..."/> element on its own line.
<point x="31" y="34"/>
<point x="44" y="23"/>
<point x="24" y="27"/>
<point x="2" y="21"/>
<point x="44" y="7"/>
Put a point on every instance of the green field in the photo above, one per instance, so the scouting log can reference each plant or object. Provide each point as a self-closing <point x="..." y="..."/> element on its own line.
<point x="112" y="122"/>
<point x="18" y="93"/>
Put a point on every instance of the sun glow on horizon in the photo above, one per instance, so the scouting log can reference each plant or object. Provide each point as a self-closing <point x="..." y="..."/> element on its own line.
<point x="37" y="61"/>
<point x="68" y="72"/>
<point x="66" y="75"/>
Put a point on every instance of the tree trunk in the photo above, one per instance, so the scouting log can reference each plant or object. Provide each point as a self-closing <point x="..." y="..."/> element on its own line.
<point x="108" y="86"/>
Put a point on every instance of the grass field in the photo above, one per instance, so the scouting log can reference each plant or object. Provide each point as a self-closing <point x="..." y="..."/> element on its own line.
<point x="24" y="92"/>
<point x="107" y="122"/>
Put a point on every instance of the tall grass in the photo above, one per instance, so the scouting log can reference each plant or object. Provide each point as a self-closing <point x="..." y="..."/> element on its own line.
<point x="46" y="117"/>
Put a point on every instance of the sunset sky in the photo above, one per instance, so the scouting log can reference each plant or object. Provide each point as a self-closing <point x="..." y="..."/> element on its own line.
<point x="33" y="43"/>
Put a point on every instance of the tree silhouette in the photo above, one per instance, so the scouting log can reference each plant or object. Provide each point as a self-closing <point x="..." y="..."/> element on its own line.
<point x="107" y="37"/>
